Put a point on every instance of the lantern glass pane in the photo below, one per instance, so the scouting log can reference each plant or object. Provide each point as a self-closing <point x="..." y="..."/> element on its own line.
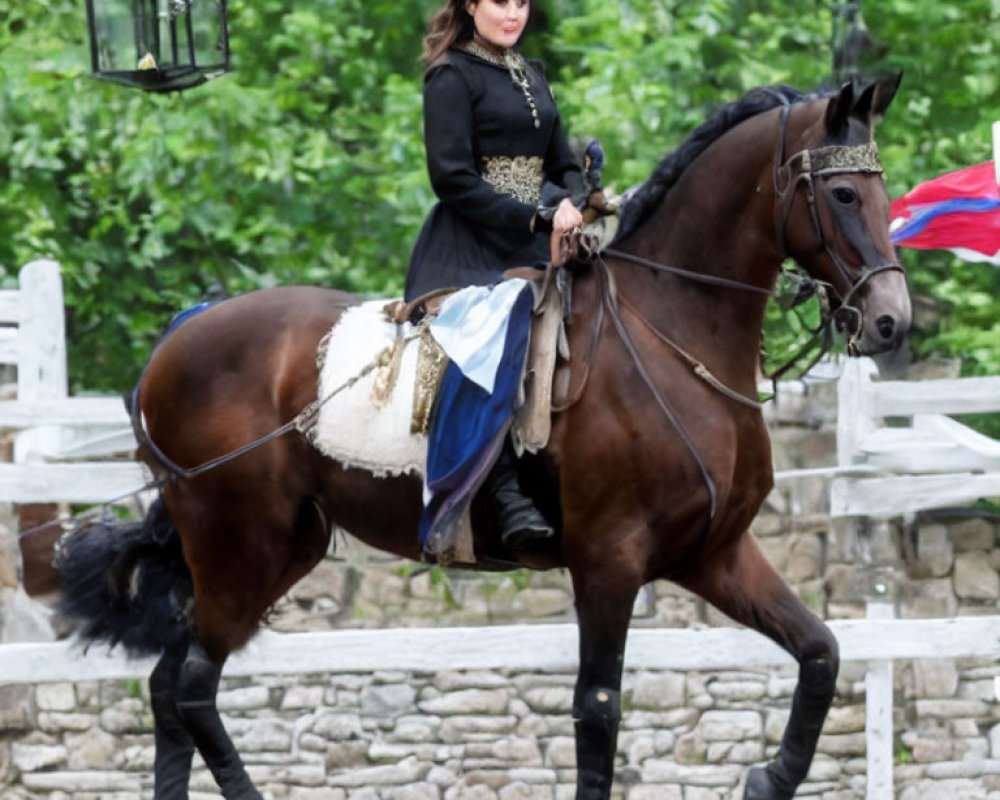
<point x="125" y="32"/>
<point x="208" y="27"/>
<point x="159" y="45"/>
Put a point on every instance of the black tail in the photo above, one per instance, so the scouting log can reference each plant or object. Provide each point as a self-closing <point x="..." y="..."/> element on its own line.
<point x="127" y="583"/>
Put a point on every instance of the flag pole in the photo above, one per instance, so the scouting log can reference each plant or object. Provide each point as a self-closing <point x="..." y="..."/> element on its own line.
<point x="996" y="151"/>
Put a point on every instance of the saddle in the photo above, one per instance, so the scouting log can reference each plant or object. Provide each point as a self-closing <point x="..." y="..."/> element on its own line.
<point x="378" y="384"/>
<point x="548" y="346"/>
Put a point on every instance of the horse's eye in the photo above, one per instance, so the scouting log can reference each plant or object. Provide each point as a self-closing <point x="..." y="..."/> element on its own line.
<point x="844" y="196"/>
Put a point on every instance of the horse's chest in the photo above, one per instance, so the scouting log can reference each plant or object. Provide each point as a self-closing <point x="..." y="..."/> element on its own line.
<point x="748" y="477"/>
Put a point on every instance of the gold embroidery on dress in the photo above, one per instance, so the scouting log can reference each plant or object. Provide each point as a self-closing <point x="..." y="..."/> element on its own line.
<point x="505" y="57"/>
<point x="521" y="177"/>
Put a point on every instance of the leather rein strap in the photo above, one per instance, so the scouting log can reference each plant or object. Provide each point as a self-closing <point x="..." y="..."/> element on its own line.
<point x="610" y="302"/>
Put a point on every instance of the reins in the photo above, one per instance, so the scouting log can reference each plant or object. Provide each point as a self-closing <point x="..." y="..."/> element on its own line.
<point x="822" y="335"/>
<point x="697" y="366"/>
<point x="101" y="511"/>
<point x="611" y="303"/>
<point x="300" y="423"/>
<point x="698" y="277"/>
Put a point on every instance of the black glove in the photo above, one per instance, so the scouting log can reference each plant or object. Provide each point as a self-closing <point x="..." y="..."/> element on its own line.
<point x="594" y="164"/>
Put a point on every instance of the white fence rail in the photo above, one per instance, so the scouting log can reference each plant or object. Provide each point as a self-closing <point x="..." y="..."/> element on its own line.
<point x="931" y="462"/>
<point x="542" y="647"/>
<point x="879" y="641"/>
<point x="882" y="471"/>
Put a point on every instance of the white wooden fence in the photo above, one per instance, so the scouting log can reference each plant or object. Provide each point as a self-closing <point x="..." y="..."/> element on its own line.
<point x="898" y="453"/>
<point x="882" y="471"/>
<point x="61" y="436"/>
<point x="878" y="641"/>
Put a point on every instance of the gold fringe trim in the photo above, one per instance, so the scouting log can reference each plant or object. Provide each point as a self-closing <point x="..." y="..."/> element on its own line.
<point x="431" y="364"/>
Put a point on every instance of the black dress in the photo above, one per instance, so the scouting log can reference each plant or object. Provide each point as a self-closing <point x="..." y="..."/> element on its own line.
<point x="488" y="162"/>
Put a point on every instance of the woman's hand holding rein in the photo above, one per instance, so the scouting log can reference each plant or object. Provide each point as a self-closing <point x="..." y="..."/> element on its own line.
<point x="567" y="216"/>
<point x="559" y="218"/>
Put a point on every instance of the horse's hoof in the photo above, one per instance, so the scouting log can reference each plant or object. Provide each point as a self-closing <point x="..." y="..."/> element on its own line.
<point x="759" y="786"/>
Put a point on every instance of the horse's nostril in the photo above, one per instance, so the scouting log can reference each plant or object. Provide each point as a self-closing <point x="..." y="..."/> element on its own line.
<point x="886" y="326"/>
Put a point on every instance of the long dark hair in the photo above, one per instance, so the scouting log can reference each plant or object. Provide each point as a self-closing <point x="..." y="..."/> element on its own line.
<point x="449" y="25"/>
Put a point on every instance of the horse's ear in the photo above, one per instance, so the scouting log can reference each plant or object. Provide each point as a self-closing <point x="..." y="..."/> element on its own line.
<point x="839" y="110"/>
<point x="862" y="108"/>
<point x="885" y="90"/>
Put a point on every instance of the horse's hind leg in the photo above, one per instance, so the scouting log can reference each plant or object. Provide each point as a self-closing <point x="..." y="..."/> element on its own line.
<point x="183" y="687"/>
<point x="174" y="745"/>
<point x="743" y="585"/>
<point x="197" y="686"/>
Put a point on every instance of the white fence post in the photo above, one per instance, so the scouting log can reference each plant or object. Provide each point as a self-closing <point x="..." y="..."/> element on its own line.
<point x="56" y="433"/>
<point x="878" y="709"/>
<point x="854" y="412"/>
<point x="41" y="366"/>
<point x="41" y="370"/>
<point x="996" y="150"/>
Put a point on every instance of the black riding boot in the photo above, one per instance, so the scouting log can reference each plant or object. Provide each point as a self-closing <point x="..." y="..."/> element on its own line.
<point x="520" y="522"/>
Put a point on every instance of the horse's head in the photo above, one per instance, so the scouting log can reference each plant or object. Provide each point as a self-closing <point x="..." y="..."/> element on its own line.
<point x="833" y="211"/>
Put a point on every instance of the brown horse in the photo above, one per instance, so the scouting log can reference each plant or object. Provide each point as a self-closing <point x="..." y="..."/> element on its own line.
<point x="655" y="471"/>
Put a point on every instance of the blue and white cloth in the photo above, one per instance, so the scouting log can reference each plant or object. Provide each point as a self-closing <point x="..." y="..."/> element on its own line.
<point x="484" y="332"/>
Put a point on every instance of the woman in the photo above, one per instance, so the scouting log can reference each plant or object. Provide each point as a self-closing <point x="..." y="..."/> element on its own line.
<point x="494" y="142"/>
<point x="493" y="137"/>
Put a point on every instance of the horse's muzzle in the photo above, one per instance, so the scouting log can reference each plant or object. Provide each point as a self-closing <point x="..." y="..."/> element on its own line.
<point x="879" y="319"/>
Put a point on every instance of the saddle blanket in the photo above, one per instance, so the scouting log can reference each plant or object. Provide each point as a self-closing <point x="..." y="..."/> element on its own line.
<point x="366" y="394"/>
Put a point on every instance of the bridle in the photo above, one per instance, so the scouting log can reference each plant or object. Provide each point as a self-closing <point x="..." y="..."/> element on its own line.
<point x="804" y="167"/>
<point x="801" y="168"/>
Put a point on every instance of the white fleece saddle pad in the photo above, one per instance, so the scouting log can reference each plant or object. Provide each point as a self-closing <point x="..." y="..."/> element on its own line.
<point x="358" y="425"/>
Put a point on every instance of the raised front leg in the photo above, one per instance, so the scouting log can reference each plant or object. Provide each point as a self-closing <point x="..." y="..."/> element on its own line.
<point x="813" y="695"/>
<point x="748" y="589"/>
<point x="604" y="603"/>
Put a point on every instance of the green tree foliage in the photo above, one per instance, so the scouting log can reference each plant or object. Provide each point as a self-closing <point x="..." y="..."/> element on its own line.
<point x="306" y="164"/>
<point x="303" y="166"/>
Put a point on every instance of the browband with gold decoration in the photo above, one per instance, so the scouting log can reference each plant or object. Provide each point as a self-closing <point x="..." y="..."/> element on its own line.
<point x="838" y="159"/>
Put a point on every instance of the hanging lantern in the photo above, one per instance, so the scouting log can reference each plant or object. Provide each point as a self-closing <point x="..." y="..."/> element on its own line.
<point x="855" y="51"/>
<point x="158" y="45"/>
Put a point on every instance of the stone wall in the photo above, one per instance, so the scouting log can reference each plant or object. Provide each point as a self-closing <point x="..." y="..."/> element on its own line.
<point x="506" y="734"/>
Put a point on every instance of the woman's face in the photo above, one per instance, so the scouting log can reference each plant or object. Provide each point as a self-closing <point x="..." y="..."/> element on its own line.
<point x="499" y="22"/>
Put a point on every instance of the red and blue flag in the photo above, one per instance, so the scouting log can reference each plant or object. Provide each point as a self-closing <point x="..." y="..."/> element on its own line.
<point x="958" y="211"/>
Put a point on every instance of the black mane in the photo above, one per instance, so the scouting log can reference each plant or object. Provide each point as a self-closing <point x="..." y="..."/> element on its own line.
<point x="645" y="198"/>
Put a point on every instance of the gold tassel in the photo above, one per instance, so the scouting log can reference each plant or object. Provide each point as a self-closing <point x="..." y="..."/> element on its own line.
<point x="387" y="370"/>
<point x="431" y="364"/>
